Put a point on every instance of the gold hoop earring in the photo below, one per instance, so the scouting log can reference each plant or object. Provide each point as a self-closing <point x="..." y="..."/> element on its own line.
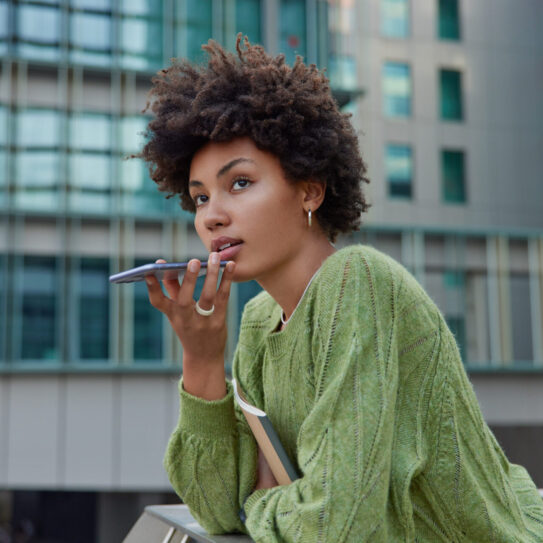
<point x="309" y="217"/>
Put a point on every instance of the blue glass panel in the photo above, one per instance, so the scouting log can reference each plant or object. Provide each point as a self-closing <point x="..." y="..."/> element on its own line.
<point x="140" y="195"/>
<point x="89" y="170"/>
<point x="292" y="21"/>
<point x="248" y="19"/>
<point x="141" y="43"/>
<point x="193" y="28"/>
<point x="399" y="170"/>
<point x="3" y="125"/>
<point x="151" y="8"/>
<point x="39" y="309"/>
<point x="37" y="169"/>
<point x="90" y="181"/>
<point x="451" y="94"/>
<point x="98" y="5"/>
<point x="342" y="72"/>
<point x="148" y="325"/>
<point x="448" y="20"/>
<point x="90" y="131"/>
<point x="91" y="31"/>
<point x="453" y="172"/>
<point x="3" y="176"/>
<point x="3" y="21"/>
<point x="94" y="310"/>
<point x="397" y="89"/>
<point x="38" y="24"/>
<point x="132" y="133"/>
<point x="37" y="128"/>
<point x="395" y="18"/>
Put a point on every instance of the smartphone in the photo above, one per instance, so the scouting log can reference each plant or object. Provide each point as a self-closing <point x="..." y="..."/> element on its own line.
<point x="166" y="270"/>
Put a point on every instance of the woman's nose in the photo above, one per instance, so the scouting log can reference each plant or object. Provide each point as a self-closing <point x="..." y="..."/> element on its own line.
<point x="216" y="214"/>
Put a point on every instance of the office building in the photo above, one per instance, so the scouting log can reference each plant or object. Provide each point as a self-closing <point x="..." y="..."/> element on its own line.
<point x="444" y="96"/>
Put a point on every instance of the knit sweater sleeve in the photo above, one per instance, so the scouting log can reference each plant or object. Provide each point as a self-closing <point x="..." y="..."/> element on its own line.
<point x="211" y="461"/>
<point x="344" y="445"/>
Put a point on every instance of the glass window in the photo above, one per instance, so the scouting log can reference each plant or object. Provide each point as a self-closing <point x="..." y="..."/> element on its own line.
<point x="453" y="175"/>
<point x="448" y="20"/>
<point x="447" y="289"/>
<point x="98" y="5"/>
<point x="37" y="180"/>
<point x="3" y="173"/>
<point x="395" y="18"/>
<point x="399" y="170"/>
<point x="148" y="325"/>
<point x="292" y="22"/>
<point x="38" y="29"/>
<point x="397" y="89"/>
<point x="141" y="43"/>
<point x="92" y="33"/>
<point x="37" y="168"/>
<point x="193" y="28"/>
<point x="450" y="83"/>
<point x="140" y="194"/>
<point x="94" y="310"/>
<point x="151" y="8"/>
<point x="3" y="21"/>
<point x="38" y="24"/>
<point x="521" y="322"/>
<point x="242" y="16"/>
<point x="342" y="72"/>
<point x="39" y="309"/>
<point x="37" y="128"/>
<point x="132" y="133"/>
<point x="3" y="125"/>
<point x="90" y="132"/>
<point x="90" y="182"/>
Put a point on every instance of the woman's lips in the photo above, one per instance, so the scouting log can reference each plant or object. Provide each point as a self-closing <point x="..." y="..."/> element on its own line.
<point x="230" y="252"/>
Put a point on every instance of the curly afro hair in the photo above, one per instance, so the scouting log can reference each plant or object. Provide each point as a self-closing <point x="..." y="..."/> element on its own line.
<point x="288" y="111"/>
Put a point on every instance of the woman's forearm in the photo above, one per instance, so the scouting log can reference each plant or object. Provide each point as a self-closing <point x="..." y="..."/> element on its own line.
<point x="205" y="379"/>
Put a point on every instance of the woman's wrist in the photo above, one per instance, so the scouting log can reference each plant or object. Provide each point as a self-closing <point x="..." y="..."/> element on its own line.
<point x="205" y="379"/>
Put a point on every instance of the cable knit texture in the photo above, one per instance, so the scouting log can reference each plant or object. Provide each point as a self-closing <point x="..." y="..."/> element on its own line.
<point x="367" y="392"/>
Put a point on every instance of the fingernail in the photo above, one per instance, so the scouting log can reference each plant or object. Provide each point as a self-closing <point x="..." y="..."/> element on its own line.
<point x="149" y="281"/>
<point x="214" y="259"/>
<point x="230" y="266"/>
<point x="193" y="267"/>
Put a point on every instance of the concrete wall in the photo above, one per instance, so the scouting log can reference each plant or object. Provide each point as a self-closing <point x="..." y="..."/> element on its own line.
<point x="499" y="55"/>
<point x="100" y="432"/>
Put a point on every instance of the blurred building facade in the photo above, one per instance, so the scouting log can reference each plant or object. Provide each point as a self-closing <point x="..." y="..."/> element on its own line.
<point x="444" y="96"/>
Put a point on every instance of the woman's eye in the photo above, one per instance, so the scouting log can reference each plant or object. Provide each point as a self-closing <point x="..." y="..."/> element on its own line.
<point x="241" y="183"/>
<point x="200" y="199"/>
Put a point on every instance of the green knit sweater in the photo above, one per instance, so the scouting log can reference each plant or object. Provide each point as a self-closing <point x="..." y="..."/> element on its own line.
<point x="367" y="392"/>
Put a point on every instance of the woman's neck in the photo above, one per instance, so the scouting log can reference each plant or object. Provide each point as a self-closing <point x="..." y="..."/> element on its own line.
<point x="287" y="284"/>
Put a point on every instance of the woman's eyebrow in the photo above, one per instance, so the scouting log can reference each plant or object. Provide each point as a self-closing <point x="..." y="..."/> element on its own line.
<point x="231" y="164"/>
<point x="228" y="166"/>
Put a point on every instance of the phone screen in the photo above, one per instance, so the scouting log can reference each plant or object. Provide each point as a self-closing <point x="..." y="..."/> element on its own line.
<point x="166" y="270"/>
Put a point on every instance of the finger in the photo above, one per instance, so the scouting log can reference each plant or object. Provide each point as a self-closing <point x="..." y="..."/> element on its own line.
<point x="156" y="296"/>
<point x="171" y="285"/>
<point x="185" y="295"/>
<point x="223" y="293"/>
<point x="207" y="298"/>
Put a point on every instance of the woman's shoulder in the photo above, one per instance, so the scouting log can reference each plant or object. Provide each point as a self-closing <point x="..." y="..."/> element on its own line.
<point x="259" y="311"/>
<point x="362" y="268"/>
<point x="361" y="263"/>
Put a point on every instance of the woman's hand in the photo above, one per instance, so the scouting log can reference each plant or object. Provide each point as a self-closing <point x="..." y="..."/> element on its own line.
<point x="203" y="337"/>
<point x="265" y="475"/>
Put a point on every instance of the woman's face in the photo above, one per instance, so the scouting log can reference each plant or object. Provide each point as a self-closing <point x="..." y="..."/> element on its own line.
<point x="245" y="208"/>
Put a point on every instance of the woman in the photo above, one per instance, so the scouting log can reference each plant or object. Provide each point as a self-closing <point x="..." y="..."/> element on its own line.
<point x="349" y="357"/>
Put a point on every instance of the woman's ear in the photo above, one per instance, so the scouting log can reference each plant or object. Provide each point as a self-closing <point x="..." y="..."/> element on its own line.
<point x="313" y="194"/>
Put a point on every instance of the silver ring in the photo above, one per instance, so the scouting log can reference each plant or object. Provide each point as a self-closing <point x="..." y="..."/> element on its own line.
<point x="203" y="312"/>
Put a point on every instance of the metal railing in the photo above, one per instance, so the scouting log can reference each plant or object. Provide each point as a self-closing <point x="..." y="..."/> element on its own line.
<point x="174" y="524"/>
